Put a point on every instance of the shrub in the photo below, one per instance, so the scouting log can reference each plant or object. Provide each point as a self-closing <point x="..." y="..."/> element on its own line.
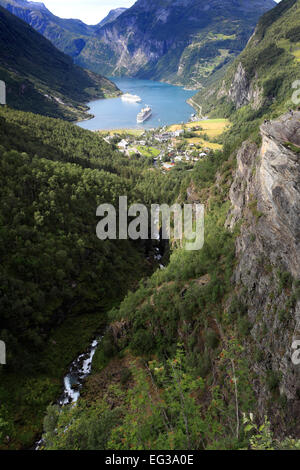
<point x="212" y="339"/>
<point x="273" y="380"/>
<point x="285" y="279"/>
<point x="126" y="376"/>
<point x="142" y="342"/>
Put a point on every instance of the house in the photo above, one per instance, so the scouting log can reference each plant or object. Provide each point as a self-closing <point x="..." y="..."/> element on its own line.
<point x="123" y="145"/>
<point x="168" y="166"/>
<point x="163" y="137"/>
<point x="178" y="133"/>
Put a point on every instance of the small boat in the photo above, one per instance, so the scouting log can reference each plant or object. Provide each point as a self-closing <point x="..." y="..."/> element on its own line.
<point x="131" y="98"/>
<point x="144" y="114"/>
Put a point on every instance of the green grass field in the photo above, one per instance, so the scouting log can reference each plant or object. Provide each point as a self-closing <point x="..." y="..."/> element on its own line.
<point x="148" y="151"/>
<point x="212" y="127"/>
<point x="134" y="132"/>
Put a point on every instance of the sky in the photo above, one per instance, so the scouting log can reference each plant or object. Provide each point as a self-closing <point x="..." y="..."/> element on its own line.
<point x="89" y="11"/>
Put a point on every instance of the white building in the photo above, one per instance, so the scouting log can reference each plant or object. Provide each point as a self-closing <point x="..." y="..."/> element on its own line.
<point x="168" y="166"/>
<point x="123" y="144"/>
<point x="178" y="133"/>
<point x="2" y="93"/>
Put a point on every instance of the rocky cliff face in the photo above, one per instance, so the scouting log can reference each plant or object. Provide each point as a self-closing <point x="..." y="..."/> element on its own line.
<point x="244" y="91"/>
<point x="262" y="76"/>
<point x="68" y="35"/>
<point x="182" y="41"/>
<point x="42" y="79"/>
<point x="265" y="198"/>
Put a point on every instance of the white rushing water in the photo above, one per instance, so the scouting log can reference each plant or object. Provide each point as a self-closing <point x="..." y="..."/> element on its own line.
<point x="81" y="367"/>
<point x="79" y="370"/>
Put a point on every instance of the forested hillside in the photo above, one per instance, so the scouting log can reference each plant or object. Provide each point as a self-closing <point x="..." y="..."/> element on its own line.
<point x="68" y="35"/>
<point x="42" y="79"/>
<point x="186" y="354"/>
<point x="260" y="80"/>
<point x="201" y="352"/>
<point x="57" y="279"/>
<point x="194" y="356"/>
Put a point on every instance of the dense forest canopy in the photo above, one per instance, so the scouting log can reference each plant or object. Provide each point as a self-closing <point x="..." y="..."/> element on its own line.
<point x="182" y="362"/>
<point x="53" y="177"/>
<point x="54" y="270"/>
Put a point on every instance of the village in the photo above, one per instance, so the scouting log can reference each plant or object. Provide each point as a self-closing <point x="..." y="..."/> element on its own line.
<point x="173" y="146"/>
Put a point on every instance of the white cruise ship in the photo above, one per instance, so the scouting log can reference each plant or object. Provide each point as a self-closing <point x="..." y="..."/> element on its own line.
<point x="131" y="98"/>
<point x="144" y="114"/>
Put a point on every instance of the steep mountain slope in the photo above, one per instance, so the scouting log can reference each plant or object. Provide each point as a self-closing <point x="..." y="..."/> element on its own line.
<point x="225" y="317"/>
<point x="265" y="198"/>
<point x="112" y="16"/>
<point x="261" y="78"/>
<point x="67" y="35"/>
<point x="57" y="279"/>
<point x="42" y="79"/>
<point x="201" y="353"/>
<point x="207" y="342"/>
<point x="182" y="42"/>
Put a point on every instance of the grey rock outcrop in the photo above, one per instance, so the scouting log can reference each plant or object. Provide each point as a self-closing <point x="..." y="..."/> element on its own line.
<point x="265" y="196"/>
<point x="243" y="91"/>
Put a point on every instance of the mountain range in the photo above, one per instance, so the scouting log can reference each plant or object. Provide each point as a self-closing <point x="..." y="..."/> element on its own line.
<point x="261" y="77"/>
<point x="200" y="355"/>
<point x="42" y="79"/>
<point x="184" y="42"/>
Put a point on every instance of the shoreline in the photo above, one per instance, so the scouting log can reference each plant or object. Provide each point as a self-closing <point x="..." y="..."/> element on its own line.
<point x="90" y="117"/>
<point x="195" y="105"/>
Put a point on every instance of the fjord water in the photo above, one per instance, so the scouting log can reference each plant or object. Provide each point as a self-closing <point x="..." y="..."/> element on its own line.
<point x="168" y="103"/>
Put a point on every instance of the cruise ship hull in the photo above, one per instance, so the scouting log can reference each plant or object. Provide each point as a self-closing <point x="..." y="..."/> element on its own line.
<point x="141" y="119"/>
<point x="131" y="98"/>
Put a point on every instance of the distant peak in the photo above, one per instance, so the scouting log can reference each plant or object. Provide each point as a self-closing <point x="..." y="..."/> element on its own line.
<point x="112" y="16"/>
<point x="26" y="4"/>
<point x="39" y="5"/>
